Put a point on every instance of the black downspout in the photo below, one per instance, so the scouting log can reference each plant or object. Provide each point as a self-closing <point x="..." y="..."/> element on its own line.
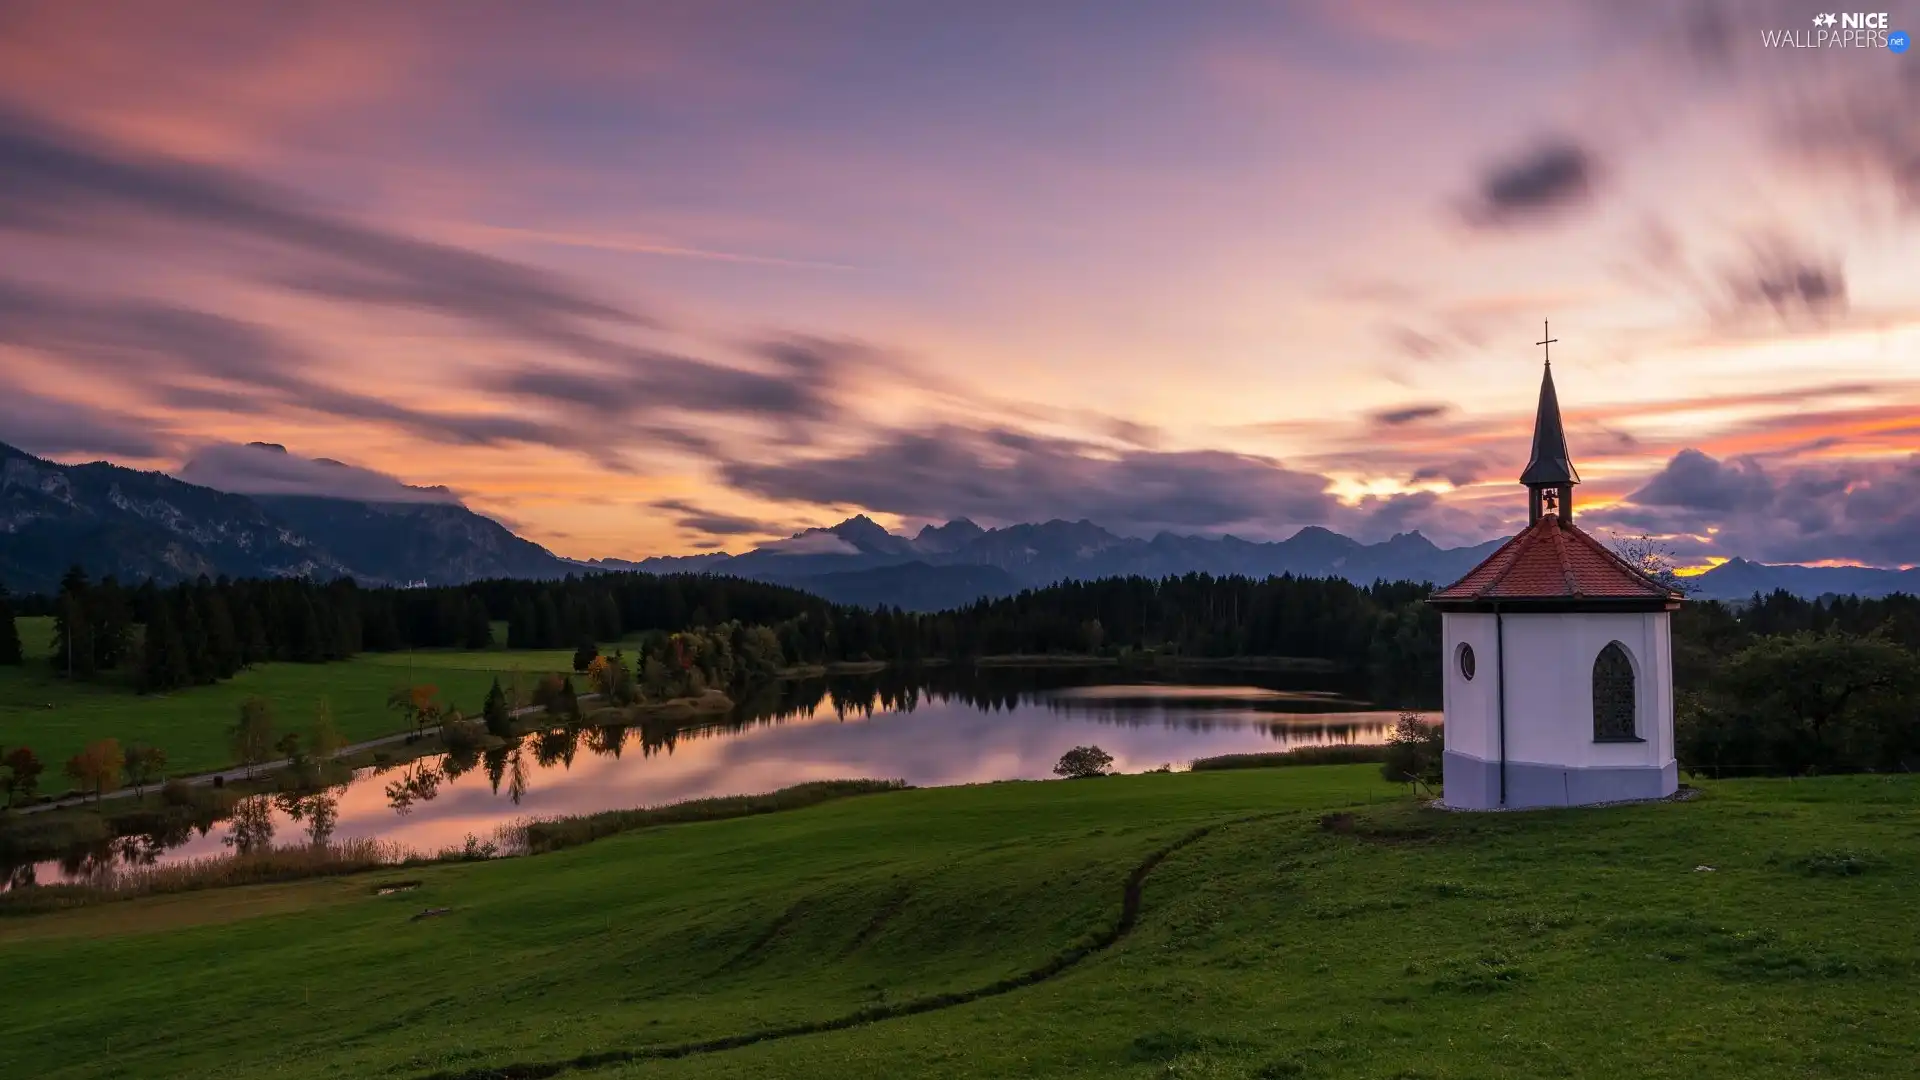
<point x="1500" y="687"/>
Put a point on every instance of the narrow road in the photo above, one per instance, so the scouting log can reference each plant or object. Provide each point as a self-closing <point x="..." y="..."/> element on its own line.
<point x="242" y="772"/>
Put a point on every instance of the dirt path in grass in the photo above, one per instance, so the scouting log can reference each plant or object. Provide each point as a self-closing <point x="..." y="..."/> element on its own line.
<point x="1130" y="901"/>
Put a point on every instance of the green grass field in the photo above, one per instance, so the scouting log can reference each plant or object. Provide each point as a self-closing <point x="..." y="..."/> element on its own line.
<point x="1405" y="943"/>
<point x="190" y="725"/>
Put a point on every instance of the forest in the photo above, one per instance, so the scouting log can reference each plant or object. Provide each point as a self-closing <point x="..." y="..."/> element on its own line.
<point x="1777" y="683"/>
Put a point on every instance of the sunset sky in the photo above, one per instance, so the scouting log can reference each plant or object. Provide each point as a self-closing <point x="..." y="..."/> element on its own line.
<point x="654" y="278"/>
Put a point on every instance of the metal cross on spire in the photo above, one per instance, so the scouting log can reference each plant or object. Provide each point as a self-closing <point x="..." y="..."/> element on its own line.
<point x="1546" y="341"/>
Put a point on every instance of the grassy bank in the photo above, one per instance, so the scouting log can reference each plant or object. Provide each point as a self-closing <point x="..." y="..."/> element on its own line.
<point x="1197" y="924"/>
<point x="56" y="718"/>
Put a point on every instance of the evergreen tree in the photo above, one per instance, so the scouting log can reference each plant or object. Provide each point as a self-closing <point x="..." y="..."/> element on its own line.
<point x="546" y="622"/>
<point x="195" y="650"/>
<point x="163" y="662"/>
<point x="110" y="623"/>
<point x="520" y="626"/>
<point x="73" y="634"/>
<point x="303" y="643"/>
<point x="254" y="647"/>
<point x="478" y="632"/>
<point x="10" y="654"/>
<point x="606" y="618"/>
<point x="223" y="643"/>
<point x="498" y="717"/>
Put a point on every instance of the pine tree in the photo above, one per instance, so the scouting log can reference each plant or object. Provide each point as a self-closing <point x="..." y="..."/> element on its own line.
<point x="73" y="634"/>
<point x="223" y="643"/>
<point x="478" y="632"/>
<point x="520" y="626"/>
<point x="546" y="622"/>
<point x="110" y="622"/>
<point x="308" y="646"/>
<point x="254" y="647"/>
<point x="163" y="663"/>
<point x="10" y="654"/>
<point x="195" y="651"/>
<point x="498" y="717"/>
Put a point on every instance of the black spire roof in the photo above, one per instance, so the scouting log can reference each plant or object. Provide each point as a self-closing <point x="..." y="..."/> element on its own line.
<point x="1550" y="464"/>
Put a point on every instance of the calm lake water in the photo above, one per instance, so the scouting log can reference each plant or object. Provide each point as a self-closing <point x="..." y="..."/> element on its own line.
<point x="945" y="727"/>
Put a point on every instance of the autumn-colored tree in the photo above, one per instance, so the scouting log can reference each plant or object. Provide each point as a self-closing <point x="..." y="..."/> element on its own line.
<point x="416" y="705"/>
<point x="23" y="773"/>
<point x="144" y="765"/>
<point x="251" y="737"/>
<point x="97" y="766"/>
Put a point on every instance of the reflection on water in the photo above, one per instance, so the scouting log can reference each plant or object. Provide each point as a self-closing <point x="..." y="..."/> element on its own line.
<point x="948" y="726"/>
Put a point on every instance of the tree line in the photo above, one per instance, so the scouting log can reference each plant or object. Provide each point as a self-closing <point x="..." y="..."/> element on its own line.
<point x="1779" y="684"/>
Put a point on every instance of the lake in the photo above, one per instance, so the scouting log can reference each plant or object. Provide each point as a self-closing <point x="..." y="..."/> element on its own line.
<point x="940" y="727"/>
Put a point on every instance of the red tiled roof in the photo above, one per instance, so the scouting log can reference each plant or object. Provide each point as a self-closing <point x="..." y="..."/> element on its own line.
<point x="1554" y="560"/>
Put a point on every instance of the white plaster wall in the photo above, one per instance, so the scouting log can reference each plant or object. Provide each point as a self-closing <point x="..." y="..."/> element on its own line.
<point x="1470" y="708"/>
<point x="1549" y="684"/>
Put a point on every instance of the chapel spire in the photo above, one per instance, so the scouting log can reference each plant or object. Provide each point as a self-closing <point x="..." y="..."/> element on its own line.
<point x="1549" y="475"/>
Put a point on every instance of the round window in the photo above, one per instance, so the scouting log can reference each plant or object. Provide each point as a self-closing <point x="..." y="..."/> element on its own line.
<point x="1466" y="661"/>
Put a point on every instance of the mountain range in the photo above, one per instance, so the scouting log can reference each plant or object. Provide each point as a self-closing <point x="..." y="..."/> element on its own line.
<point x="147" y="524"/>
<point x="133" y="524"/>
<point x="858" y="561"/>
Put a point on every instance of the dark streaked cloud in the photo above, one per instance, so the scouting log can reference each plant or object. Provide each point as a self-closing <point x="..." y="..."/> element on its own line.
<point x="169" y="351"/>
<point x="1458" y="472"/>
<point x="1000" y="475"/>
<point x="1548" y="178"/>
<point x="61" y="181"/>
<point x="795" y="384"/>
<point x="268" y="469"/>
<point x="1409" y="414"/>
<point x="706" y="522"/>
<point x="1785" y="281"/>
<point x="51" y="426"/>
<point x="1863" y="510"/>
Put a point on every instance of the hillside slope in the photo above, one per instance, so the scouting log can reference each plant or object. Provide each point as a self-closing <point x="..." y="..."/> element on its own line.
<point x="1200" y="924"/>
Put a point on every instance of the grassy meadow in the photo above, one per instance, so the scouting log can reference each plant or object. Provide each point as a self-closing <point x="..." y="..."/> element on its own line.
<point x="191" y="725"/>
<point x="986" y="932"/>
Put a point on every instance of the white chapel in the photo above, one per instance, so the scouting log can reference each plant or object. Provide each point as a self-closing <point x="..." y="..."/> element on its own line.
<point x="1558" y="662"/>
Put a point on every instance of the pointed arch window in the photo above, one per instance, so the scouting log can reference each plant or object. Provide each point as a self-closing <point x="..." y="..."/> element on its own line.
<point x="1614" y="696"/>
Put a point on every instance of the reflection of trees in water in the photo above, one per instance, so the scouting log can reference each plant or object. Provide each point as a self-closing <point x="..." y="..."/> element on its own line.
<point x="508" y="763"/>
<point x="509" y="767"/>
<point x="556" y="747"/>
<point x="418" y="782"/>
<point x="250" y="828"/>
<point x="320" y="810"/>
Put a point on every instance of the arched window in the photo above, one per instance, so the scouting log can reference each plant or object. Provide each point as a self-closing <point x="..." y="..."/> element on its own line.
<point x="1613" y="695"/>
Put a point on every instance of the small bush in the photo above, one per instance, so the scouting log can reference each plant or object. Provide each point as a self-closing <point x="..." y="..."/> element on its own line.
<point x="1082" y="762"/>
<point x="1835" y="864"/>
<point x="1414" y="751"/>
